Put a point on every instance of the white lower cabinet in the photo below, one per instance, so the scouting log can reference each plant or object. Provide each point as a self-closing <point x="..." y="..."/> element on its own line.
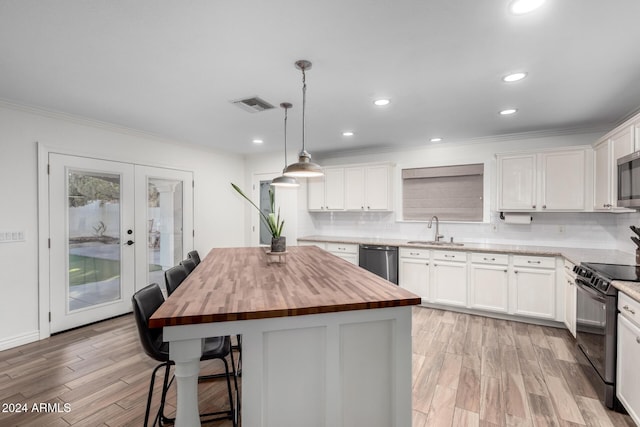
<point x="570" y="297"/>
<point x="346" y="251"/>
<point x="534" y="287"/>
<point x="489" y="282"/>
<point x="413" y="271"/>
<point x="450" y="278"/>
<point x="628" y="375"/>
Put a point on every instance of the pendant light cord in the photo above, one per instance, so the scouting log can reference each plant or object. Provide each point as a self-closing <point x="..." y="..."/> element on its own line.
<point x="304" y="102"/>
<point x="285" y="137"/>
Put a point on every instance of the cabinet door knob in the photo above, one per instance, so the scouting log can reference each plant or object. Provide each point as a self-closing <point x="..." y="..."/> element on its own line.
<point x="368" y="207"/>
<point x="504" y="271"/>
<point x="544" y="206"/>
<point x="533" y="206"/>
<point x="516" y="271"/>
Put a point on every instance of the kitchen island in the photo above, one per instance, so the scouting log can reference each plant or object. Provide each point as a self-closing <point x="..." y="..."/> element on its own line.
<point x="325" y="343"/>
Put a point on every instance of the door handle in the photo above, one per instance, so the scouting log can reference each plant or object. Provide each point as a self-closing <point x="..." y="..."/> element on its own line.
<point x="129" y="242"/>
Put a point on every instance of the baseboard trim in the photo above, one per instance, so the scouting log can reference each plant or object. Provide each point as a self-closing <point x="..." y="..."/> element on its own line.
<point x="495" y="315"/>
<point x="18" y="340"/>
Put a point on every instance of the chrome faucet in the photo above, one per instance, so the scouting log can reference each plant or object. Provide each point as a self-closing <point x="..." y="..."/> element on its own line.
<point x="438" y="236"/>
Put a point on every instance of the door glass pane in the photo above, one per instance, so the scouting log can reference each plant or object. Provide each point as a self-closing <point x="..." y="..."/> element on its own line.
<point x="265" y="207"/>
<point x="94" y="238"/>
<point x="164" y="226"/>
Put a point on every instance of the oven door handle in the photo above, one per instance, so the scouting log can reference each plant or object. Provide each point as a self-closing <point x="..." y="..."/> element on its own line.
<point x="592" y="294"/>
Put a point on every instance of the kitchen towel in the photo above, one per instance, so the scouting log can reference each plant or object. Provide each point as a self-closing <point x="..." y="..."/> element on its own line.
<point x="517" y="218"/>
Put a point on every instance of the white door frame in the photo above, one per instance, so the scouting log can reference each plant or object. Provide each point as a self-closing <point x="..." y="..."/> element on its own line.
<point x="43" y="151"/>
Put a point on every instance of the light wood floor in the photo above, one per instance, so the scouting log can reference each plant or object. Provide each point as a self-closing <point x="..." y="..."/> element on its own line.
<point x="468" y="371"/>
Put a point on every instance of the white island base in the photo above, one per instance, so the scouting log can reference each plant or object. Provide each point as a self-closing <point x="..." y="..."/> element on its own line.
<point x="342" y="369"/>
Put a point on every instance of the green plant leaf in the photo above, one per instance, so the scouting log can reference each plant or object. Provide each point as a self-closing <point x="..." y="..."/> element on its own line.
<point x="275" y="225"/>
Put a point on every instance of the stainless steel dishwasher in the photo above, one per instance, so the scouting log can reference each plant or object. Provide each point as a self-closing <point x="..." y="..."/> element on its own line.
<point x="381" y="260"/>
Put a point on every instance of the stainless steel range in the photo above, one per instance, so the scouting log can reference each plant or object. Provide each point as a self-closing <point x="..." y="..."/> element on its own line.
<point x="596" y="323"/>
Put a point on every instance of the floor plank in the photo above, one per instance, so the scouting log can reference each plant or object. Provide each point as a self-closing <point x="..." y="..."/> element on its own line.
<point x="467" y="371"/>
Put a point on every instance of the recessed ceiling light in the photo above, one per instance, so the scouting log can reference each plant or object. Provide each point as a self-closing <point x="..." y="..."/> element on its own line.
<point x="347" y="133"/>
<point x="381" y="102"/>
<point x="508" y="111"/>
<point x="436" y="139"/>
<point x="257" y="141"/>
<point x="520" y="7"/>
<point x="509" y="78"/>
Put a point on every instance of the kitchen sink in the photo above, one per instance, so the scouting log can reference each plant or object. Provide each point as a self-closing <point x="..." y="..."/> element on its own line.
<point x="433" y="242"/>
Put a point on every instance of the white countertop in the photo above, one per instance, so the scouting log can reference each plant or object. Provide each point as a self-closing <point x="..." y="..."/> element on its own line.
<point x="575" y="255"/>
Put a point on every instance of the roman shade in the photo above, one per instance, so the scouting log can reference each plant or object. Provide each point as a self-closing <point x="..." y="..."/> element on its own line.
<point x="452" y="193"/>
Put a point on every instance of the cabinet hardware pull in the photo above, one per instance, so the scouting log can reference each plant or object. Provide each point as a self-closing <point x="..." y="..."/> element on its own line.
<point x="533" y="262"/>
<point x="516" y="271"/>
<point x="449" y="256"/>
<point x="426" y="263"/>
<point x="489" y="259"/>
<point x="534" y="206"/>
<point x="544" y="206"/>
<point x="626" y="307"/>
<point x="414" y="253"/>
<point x="504" y="271"/>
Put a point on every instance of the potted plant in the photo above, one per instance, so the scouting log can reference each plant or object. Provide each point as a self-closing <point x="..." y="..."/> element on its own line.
<point x="272" y="221"/>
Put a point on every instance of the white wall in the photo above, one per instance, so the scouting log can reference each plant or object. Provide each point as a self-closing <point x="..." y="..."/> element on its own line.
<point x="598" y="230"/>
<point x="216" y="208"/>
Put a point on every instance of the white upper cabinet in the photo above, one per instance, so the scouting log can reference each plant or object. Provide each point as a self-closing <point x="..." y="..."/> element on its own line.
<point x="564" y="175"/>
<point x="356" y="188"/>
<point x="602" y="176"/>
<point x="545" y="181"/>
<point x="326" y="193"/>
<point x="354" y="184"/>
<point x="605" y="166"/>
<point x="517" y="182"/>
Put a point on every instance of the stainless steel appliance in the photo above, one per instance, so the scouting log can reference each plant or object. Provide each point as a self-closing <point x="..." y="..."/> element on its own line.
<point x="381" y="260"/>
<point x="596" y="324"/>
<point x="629" y="180"/>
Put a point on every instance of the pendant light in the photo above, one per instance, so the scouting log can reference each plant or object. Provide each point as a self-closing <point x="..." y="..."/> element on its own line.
<point x="285" y="181"/>
<point x="304" y="168"/>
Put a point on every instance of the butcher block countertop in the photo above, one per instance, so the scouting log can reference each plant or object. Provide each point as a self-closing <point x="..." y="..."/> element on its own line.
<point x="242" y="283"/>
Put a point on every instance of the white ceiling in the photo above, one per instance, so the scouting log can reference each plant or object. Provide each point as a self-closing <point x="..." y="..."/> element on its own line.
<point x="170" y="67"/>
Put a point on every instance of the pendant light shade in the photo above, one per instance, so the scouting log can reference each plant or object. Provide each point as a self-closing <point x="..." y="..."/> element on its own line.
<point x="285" y="181"/>
<point x="304" y="168"/>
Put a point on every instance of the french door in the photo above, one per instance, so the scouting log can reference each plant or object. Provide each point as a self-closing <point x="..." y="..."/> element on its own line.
<point x="114" y="228"/>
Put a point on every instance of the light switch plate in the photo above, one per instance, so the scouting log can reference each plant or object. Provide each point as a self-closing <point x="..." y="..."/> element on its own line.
<point x="12" y="236"/>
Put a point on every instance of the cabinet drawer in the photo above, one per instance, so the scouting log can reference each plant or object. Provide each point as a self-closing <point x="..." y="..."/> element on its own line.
<point x="629" y="307"/>
<point x="486" y="258"/>
<point x="321" y="245"/>
<point x="414" y="253"/>
<point x="534" y="261"/>
<point x="450" y="255"/>
<point x="347" y="248"/>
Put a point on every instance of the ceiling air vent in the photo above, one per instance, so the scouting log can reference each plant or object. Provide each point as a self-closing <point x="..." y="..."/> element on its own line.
<point x="253" y="105"/>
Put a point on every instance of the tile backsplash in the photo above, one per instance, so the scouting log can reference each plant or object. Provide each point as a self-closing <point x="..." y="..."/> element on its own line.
<point x="592" y="230"/>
